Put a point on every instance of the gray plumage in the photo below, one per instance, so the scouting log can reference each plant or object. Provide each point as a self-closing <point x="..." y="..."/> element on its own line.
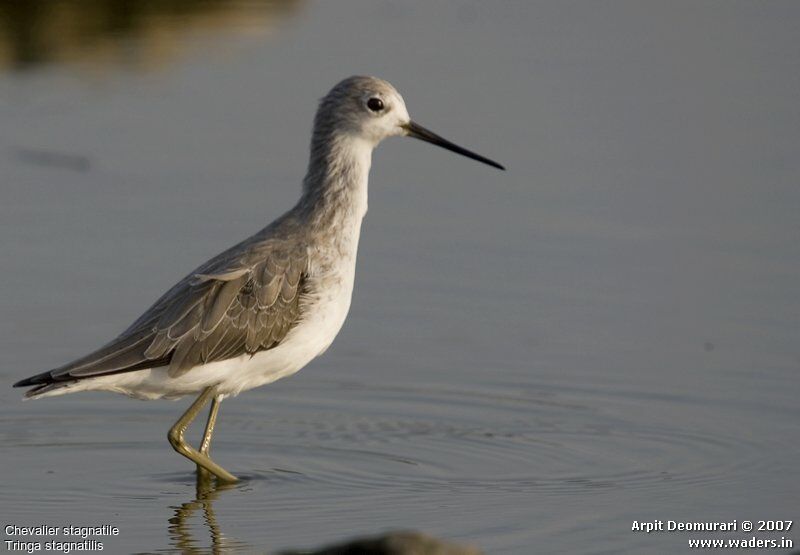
<point x="249" y="298"/>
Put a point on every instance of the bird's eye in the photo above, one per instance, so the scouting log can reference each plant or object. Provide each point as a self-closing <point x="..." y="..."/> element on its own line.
<point x="375" y="104"/>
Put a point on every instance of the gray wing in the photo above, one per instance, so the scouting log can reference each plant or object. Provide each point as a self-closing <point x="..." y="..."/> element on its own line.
<point x="243" y="301"/>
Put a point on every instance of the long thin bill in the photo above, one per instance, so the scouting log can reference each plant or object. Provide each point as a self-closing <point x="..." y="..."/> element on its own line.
<point x="418" y="132"/>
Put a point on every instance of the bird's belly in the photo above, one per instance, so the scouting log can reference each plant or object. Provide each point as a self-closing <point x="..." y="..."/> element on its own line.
<point x="322" y="318"/>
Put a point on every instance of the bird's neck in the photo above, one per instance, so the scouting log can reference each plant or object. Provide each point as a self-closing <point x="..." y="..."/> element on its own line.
<point x="335" y="187"/>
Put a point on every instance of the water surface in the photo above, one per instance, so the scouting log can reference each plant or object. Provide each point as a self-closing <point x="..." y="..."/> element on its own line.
<point x="607" y="332"/>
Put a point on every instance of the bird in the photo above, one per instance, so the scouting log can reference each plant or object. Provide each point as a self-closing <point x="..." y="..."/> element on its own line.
<point x="267" y="306"/>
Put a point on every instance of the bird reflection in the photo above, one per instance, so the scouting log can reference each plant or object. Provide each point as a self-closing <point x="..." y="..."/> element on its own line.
<point x="208" y="489"/>
<point x="181" y="524"/>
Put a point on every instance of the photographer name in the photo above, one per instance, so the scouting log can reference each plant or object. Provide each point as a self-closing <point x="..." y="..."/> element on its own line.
<point x="677" y="526"/>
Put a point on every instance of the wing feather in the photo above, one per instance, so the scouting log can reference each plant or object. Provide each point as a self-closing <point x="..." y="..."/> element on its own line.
<point x="239" y="303"/>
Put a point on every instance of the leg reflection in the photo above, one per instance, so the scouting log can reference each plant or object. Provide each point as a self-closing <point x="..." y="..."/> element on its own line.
<point x="181" y="524"/>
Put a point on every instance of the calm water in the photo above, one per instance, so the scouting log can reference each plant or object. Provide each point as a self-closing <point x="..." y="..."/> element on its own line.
<point x="607" y="332"/>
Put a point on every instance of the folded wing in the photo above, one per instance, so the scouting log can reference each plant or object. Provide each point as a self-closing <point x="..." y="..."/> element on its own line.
<point x="230" y="307"/>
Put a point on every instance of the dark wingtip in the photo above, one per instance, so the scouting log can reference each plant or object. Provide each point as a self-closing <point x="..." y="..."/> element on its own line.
<point x="38" y="379"/>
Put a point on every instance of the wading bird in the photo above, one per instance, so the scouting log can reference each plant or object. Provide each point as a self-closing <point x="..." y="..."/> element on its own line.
<point x="264" y="308"/>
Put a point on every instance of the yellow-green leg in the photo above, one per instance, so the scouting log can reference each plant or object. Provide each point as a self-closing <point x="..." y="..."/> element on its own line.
<point x="203" y="476"/>
<point x="205" y="445"/>
<point x="200" y="458"/>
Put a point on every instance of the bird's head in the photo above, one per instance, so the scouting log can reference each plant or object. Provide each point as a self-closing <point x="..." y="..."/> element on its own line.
<point x="371" y="109"/>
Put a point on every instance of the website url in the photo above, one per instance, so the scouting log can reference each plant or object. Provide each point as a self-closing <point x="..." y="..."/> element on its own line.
<point x="750" y="543"/>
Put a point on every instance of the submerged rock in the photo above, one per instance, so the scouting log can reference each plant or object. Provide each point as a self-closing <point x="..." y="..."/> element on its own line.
<point x="393" y="543"/>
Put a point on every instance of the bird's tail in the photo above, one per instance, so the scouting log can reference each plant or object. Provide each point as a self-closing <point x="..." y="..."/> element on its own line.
<point x="43" y="385"/>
